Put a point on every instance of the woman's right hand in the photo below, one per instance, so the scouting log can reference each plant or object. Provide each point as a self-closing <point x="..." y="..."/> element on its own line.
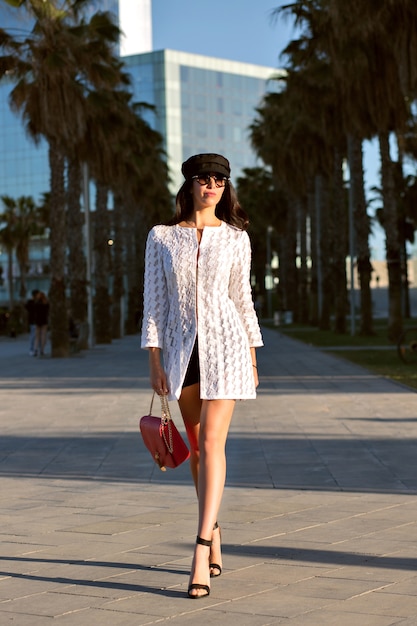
<point x="157" y="372"/>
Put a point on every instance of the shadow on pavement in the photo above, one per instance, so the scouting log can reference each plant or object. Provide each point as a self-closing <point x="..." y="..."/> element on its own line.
<point x="291" y="462"/>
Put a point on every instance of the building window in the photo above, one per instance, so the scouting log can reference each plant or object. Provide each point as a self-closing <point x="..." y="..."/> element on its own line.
<point x="186" y="125"/>
<point x="237" y="134"/>
<point x="184" y="73"/>
<point x="201" y="129"/>
<point x="237" y="107"/>
<point x="200" y="103"/>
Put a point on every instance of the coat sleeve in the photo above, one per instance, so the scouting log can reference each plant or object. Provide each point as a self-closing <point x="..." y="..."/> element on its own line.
<point x="240" y="290"/>
<point x="155" y="295"/>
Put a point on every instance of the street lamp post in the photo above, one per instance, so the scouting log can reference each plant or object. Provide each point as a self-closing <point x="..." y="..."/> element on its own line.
<point x="351" y="239"/>
<point x="86" y="200"/>
<point x="351" y="260"/>
<point x="268" y="271"/>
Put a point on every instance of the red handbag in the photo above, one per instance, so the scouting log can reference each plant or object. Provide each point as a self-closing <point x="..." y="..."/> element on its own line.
<point x="161" y="437"/>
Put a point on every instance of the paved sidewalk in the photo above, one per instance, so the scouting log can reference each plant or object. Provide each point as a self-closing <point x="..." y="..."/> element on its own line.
<point x="319" y="517"/>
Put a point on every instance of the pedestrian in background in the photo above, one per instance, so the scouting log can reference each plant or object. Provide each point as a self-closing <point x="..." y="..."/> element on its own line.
<point x="206" y="330"/>
<point x="30" y="308"/>
<point x="41" y="321"/>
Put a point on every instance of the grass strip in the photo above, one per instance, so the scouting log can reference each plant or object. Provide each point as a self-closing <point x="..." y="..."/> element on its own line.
<point x="383" y="362"/>
<point x="377" y="354"/>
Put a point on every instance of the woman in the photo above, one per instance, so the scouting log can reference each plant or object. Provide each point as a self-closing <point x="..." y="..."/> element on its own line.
<point x="199" y="317"/>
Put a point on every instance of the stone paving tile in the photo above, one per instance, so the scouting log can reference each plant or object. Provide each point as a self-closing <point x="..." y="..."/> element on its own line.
<point x="24" y="585"/>
<point x="275" y="602"/>
<point x="45" y="604"/>
<point x="276" y="573"/>
<point x="328" y="617"/>
<point x="383" y="602"/>
<point x="406" y="587"/>
<point x="104" y="617"/>
<point x="368" y="572"/>
<point x="214" y="617"/>
<point x="10" y="619"/>
<point x="154" y="601"/>
<point x="335" y="588"/>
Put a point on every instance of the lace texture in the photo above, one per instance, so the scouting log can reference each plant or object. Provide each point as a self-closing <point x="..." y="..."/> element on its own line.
<point x="211" y="297"/>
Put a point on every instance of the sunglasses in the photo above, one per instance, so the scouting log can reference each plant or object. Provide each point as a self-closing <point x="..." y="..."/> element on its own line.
<point x="204" y="179"/>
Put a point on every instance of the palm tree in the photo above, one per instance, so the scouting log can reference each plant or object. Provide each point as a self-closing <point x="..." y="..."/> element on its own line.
<point x="141" y="198"/>
<point x="255" y="190"/>
<point x="374" y="88"/>
<point x="107" y="123"/>
<point x="125" y="160"/>
<point x="22" y="220"/>
<point x="318" y="38"/>
<point x="362" y="230"/>
<point x="296" y="133"/>
<point x="29" y="224"/>
<point x="267" y="206"/>
<point x="102" y="305"/>
<point x="77" y="267"/>
<point x="53" y="67"/>
<point x="8" y="237"/>
<point x="118" y="250"/>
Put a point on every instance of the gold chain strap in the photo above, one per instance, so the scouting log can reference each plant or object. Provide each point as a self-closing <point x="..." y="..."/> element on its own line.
<point x="166" y="421"/>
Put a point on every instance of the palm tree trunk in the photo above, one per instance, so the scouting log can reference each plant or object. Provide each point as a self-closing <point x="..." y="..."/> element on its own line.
<point x="118" y="287"/>
<point x="139" y="267"/>
<point x="22" y="258"/>
<point x="402" y="229"/>
<point x="392" y="243"/>
<point x="76" y="257"/>
<point x="314" y="241"/>
<point x="135" y="248"/>
<point x="289" y="270"/>
<point x="134" y="308"/>
<point x="339" y="245"/>
<point x="10" y="277"/>
<point x="324" y="253"/>
<point x="58" y="317"/>
<point x="303" y="308"/>
<point x="362" y="232"/>
<point x="103" y="325"/>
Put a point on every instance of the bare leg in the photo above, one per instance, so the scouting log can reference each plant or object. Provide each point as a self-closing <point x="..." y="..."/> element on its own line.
<point x="190" y="407"/>
<point x="215" y="420"/>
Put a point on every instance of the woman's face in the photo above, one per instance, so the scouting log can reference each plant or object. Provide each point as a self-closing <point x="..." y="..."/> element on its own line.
<point x="207" y="190"/>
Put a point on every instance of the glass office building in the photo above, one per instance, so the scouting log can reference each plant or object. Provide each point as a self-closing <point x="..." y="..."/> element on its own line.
<point x="203" y="104"/>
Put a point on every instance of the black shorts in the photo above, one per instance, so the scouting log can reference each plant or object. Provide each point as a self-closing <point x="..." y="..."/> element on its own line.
<point x="193" y="371"/>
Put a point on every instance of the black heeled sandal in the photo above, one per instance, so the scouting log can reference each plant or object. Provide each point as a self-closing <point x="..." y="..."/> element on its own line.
<point x="216" y="565"/>
<point x="202" y="542"/>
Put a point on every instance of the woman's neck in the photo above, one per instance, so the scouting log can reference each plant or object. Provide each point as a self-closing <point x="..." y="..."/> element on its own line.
<point x="200" y="219"/>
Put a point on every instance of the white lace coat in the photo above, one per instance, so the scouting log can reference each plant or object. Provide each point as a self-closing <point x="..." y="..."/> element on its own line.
<point x="201" y="289"/>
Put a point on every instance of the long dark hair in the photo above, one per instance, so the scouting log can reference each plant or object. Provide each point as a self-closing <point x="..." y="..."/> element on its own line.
<point x="228" y="209"/>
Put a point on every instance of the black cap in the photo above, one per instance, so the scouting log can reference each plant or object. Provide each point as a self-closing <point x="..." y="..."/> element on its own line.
<point x="204" y="164"/>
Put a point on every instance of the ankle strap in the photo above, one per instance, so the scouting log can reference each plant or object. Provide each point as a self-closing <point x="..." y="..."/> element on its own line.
<point x="203" y="542"/>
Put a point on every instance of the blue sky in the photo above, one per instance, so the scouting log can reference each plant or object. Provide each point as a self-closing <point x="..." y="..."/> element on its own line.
<point x="240" y="31"/>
